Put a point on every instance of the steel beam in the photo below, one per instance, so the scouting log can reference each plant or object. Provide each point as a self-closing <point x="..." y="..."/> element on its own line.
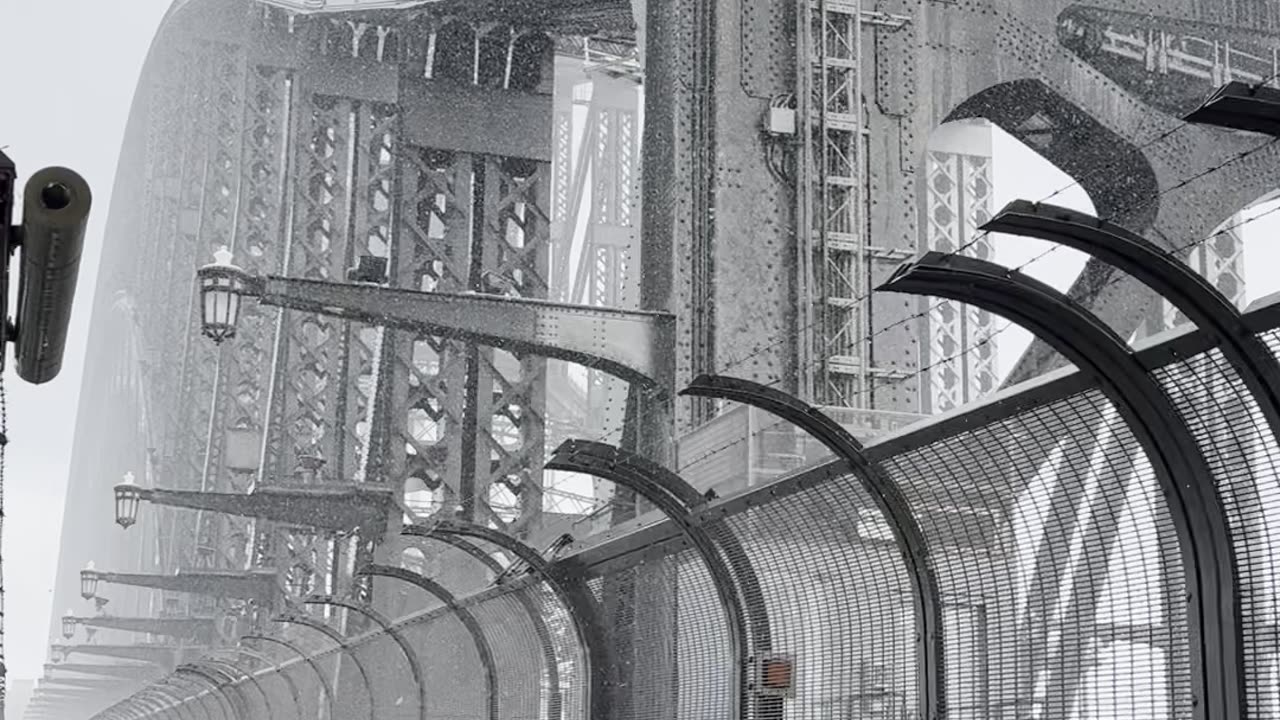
<point x="163" y="655"/>
<point x="678" y="500"/>
<point x="339" y="507"/>
<point x="568" y="587"/>
<point x="130" y="672"/>
<point x="465" y="616"/>
<point x="344" y="645"/>
<point x="261" y="585"/>
<point x="1184" y="477"/>
<point x="632" y="345"/>
<point x="1241" y="106"/>
<point x="325" y="686"/>
<point x="185" y="627"/>
<point x="908" y="536"/>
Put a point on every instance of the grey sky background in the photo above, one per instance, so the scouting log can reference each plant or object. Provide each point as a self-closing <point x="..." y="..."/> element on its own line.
<point x="78" y="62"/>
<point x="71" y="67"/>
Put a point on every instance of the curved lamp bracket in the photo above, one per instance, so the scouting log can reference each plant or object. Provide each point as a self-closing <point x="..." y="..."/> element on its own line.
<point x="325" y="687"/>
<point x="1194" y="505"/>
<point x="343" y="644"/>
<point x="571" y="591"/>
<point x="895" y="508"/>
<point x="631" y="345"/>
<point x="467" y="619"/>
<point x="415" y="667"/>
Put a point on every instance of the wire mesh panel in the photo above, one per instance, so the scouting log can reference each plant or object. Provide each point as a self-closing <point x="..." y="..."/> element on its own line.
<point x="667" y="640"/>
<point x="1245" y="461"/>
<point x="838" y="602"/>
<point x="1059" y="569"/>
<point x="519" y="657"/>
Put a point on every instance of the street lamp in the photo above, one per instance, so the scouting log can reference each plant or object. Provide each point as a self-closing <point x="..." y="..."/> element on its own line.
<point x="222" y="285"/>
<point x="128" y="497"/>
<point x="89" y="582"/>
<point x="68" y="625"/>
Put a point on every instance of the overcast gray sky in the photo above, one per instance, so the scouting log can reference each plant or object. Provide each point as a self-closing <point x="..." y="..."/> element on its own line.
<point x="68" y="106"/>
<point x="74" y="66"/>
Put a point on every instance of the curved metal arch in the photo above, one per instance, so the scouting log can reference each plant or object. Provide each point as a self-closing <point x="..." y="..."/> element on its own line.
<point x="555" y="705"/>
<point x="343" y="645"/>
<point x="204" y="696"/>
<point x="234" y="673"/>
<point x="1184" y="288"/>
<point x="464" y="616"/>
<point x="268" y="662"/>
<point x="325" y="686"/>
<point x="570" y="590"/>
<point x="186" y="701"/>
<point x="677" y="499"/>
<point x="179" y="705"/>
<point x="216" y="687"/>
<point x="1195" y="508"/>
<point x="910" y="539"/>
<point x="415" y="667"/>
<point x="229" y="668"/>
<point x="149" y="702"/>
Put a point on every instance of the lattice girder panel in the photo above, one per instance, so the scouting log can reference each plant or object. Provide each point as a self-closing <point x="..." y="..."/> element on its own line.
<point x="511" y="396"/>
<point x="1245" y="461"/>
<point x="310" y="380"/>
<point x="1061" y="501"/>
<point x="427" y="381"/>
<point x="374" y="179"/>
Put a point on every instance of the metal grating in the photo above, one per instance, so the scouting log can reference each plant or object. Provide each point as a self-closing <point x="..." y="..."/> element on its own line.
<point x="1058" y="566"/>
<point x="667" y="638"/>
<point x="1245" y="461"/>
<point x="838" y="600"/>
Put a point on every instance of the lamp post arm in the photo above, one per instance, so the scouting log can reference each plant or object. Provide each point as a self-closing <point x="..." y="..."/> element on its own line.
<point x="632" y="345"/>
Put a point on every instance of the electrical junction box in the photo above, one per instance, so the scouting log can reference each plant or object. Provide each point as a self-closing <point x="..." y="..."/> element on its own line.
<point x="782" y="121"/>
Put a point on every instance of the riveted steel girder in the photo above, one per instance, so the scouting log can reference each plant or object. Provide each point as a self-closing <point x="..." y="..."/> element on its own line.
<point x="163" y="655"/>
<point x="184" y="627"/>
<point x="415" y="667"/>
<point x="1194" y="505"/>
<point x="465" y="616"/>
<point x="262" y="585"/>
<point x="1241" y="106"/>
<point x="908" y="536"/>
<point x="338" y="507"/>
<point x="565" y="583"/>
<point x="677" y="499"/>
<point x="632" y="345"/>
<point x="131" y="672"/>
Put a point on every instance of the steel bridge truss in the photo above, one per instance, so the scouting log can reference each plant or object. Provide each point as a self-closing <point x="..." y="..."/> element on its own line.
<point x="1096" y="543"/>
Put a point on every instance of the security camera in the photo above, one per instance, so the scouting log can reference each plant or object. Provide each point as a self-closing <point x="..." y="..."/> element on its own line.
<point x="55" y="212"/>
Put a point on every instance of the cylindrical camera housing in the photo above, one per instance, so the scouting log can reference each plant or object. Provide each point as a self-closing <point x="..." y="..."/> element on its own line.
<point x="55" y="212"/>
